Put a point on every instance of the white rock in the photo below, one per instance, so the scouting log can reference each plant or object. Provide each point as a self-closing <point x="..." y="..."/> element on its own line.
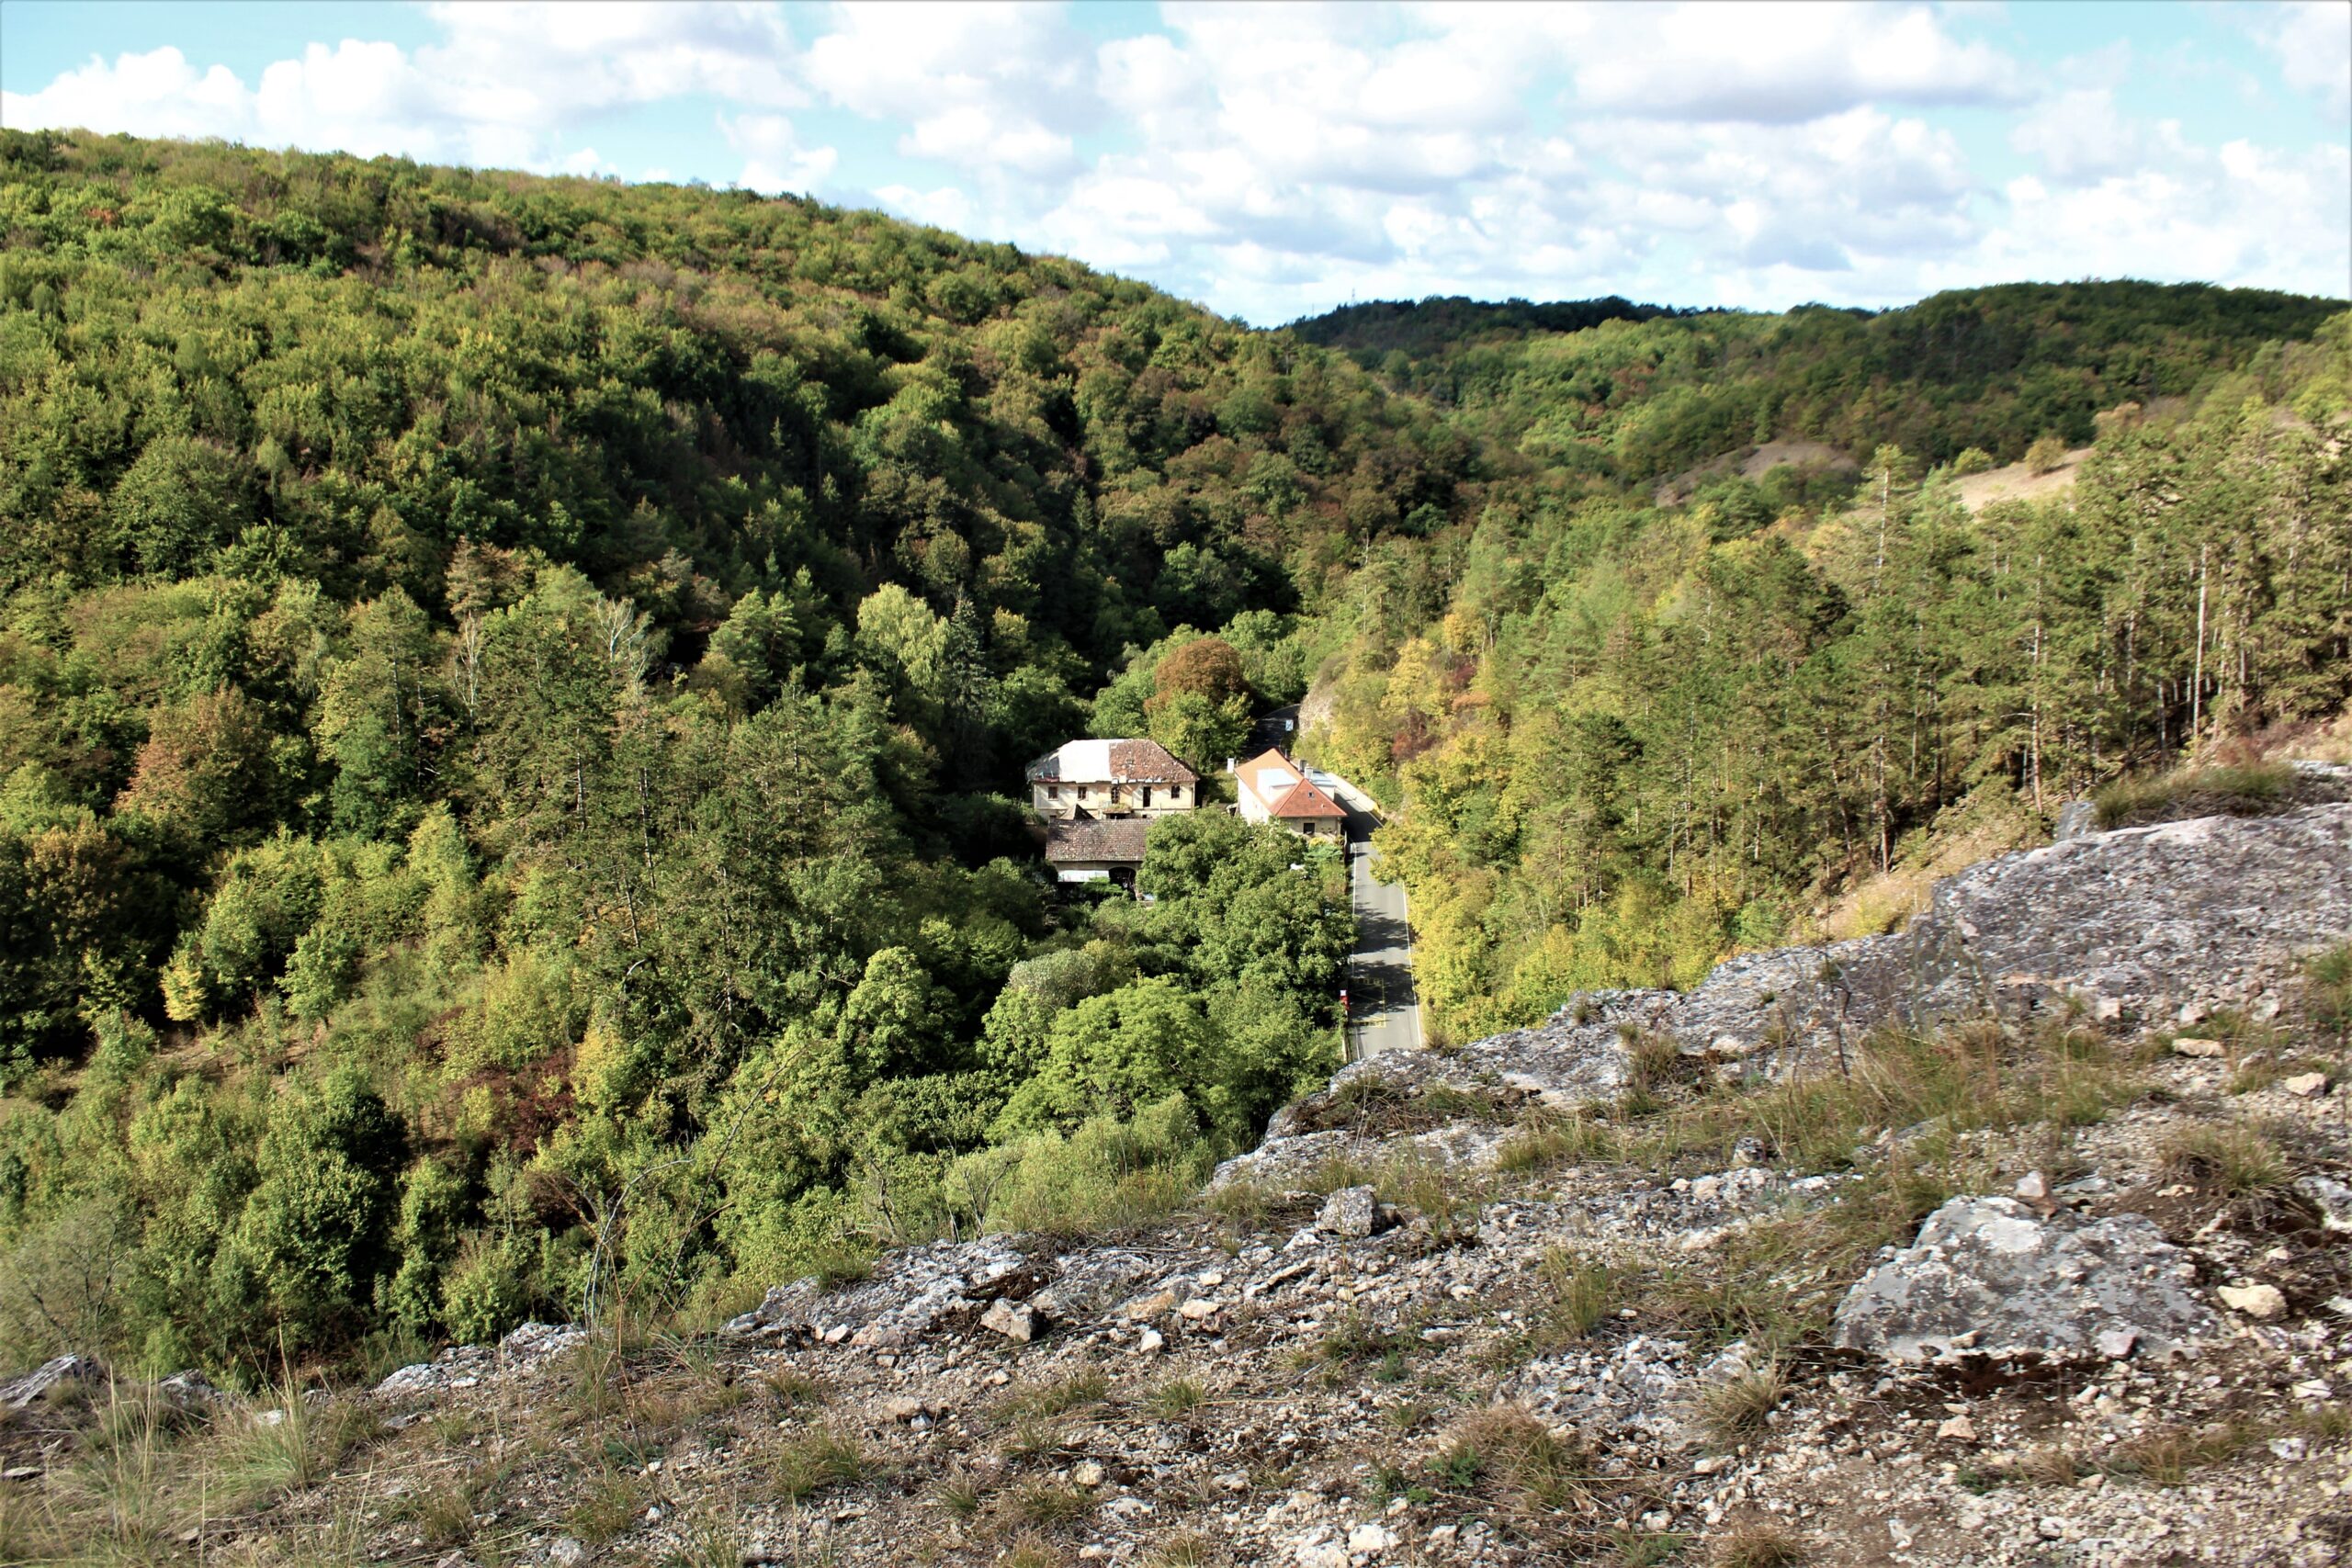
<point x="1350" y="1212"/>
<point x="2197" y="1047"/>
<point x="1150" y="1342"/>
<point x="2255" y="1300"/>
<point x="1017" y="1321"/>
<point x="2115" y="1344"/>
<point x="1370" y="1538"/>
<point x="1960" y="1427"/>
<point x="565" y="1552"/>
<point x="2306" y="1085"/>
<point x="1087" y="1473"/>
<point x="1196" y="1309"/>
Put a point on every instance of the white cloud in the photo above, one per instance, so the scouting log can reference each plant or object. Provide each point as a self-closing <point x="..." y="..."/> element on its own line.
<point x="945" y="207"/>
<point x="1274" y="159"/>
<point x="773" y="158"/>
<point x="2313" y="39"/>
<point x="1781" y="64"/>
<point x="507" y="85"/>
<point x="155" y="93"/>
<point x="548" y="61"/>
<point x="986" y="86"/>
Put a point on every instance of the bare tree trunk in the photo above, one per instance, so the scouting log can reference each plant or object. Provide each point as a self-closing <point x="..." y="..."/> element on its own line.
<point x="2197" y="690"/>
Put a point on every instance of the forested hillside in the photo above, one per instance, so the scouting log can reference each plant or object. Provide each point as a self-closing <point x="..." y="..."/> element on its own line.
<point x="1630" y="737"/>
<point x="510" y="691"/>
<point x="1377" y="332"/>
<point x="1643" y="394"/>
<point x="513" y="693"/>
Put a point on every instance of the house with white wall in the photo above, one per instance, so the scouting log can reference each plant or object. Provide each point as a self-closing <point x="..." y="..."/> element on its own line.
<point x="1271" y="788"/>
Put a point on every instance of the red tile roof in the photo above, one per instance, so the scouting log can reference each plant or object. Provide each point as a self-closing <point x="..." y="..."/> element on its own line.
<point x="1305" y="801"/>
<point x="1298" y="799"/>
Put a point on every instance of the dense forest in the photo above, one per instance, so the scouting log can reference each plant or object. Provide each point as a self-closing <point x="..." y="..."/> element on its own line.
<point x="1648" y="393"/>
<point x="1391" y="334"/>
<point x="1632" y="737"/>
<point x="513" y="693"/>
<point x="512" y="698"/>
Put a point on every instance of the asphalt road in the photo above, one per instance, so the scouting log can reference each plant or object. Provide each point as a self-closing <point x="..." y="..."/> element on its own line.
<point x="1384" y="1009"/>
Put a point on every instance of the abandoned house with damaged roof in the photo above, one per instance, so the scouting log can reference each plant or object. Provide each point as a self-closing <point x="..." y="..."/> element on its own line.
<point x="1096" y="799"/>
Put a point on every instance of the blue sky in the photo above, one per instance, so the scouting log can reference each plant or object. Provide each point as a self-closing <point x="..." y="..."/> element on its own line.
<point x="1272" y="160"/>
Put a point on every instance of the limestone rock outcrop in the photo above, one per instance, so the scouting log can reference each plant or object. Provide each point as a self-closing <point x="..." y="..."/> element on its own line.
<point x="2131" y="928"/>
<point x="1993" y="1277"/>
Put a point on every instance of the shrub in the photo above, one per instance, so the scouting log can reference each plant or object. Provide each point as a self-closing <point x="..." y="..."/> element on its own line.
<point x="1105" y="1176"/>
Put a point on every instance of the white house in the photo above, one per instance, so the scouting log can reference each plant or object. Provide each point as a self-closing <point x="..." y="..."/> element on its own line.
<point x="1270" y="787"/>
<point x="1111" y="778"/>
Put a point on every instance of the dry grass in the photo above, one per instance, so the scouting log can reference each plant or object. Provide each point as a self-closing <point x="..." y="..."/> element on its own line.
<point x="1966" y="1078"/>
<point x="2163" y="1456"/>
<point x="2249" y="790"/>
<point x="1735" y="1409"/>
<point x="1177" y="1398"/>
<point x="1507" y="1453"/>
<point x="608" y="1506"/>
<point x="1184" y="1550"/>
<point x="960" y="1495"/>
<point x="1042" y="1504"/>
<point x="794" y="1390"/>
<point x="262" y="1459"/>
<point x="816" y="1460"/>
<point x="1758" y="1546"/>
<point x="2235" y="1163"/>
<point x="1043" y="1400"/>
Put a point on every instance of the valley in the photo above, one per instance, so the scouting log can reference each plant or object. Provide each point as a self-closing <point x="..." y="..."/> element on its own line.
<point x="651" y="907"/>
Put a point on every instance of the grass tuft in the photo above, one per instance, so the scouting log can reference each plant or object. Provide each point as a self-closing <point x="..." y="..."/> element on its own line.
<point x="1042" y="1402"/>
<point x="2234" y="1162"/>
<point x="1735" y="1409"/>
<point x="1758" y="1546"/>
<point x="1508" y="1453"/>
<point x="1177" y="1398"/>
<point x="817" y="1460"/>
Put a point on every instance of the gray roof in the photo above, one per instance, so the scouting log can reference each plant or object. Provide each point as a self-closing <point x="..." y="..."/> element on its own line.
<point x="1115" y="838"/>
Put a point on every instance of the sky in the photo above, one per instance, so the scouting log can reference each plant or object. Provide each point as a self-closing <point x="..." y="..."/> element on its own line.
<point x="1272" y="161"/>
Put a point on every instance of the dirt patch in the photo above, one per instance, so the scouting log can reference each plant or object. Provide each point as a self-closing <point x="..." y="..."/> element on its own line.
<point x="2016" y="482"/>
<point x="1801" y="454"/>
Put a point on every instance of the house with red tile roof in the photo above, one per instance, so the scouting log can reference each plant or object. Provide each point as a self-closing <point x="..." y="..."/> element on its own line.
<point x="1271" y="788"/>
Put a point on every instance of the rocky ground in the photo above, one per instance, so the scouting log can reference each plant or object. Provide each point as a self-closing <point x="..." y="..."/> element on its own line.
<point x="2020" y="1237"/>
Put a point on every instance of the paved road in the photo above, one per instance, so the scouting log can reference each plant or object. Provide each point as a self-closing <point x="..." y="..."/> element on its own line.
<point x="1381" y="999"/>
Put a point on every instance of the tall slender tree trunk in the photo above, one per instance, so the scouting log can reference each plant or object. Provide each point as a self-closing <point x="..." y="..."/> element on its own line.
<point x="2197" y="688"/>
